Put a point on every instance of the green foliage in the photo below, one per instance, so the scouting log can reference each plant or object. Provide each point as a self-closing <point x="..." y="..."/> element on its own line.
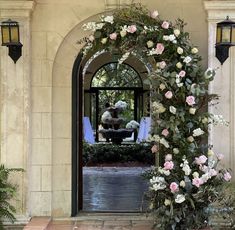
<point x="186" y="180"/>
<point x="7" y="193"/>
<point x="109" y="153"/>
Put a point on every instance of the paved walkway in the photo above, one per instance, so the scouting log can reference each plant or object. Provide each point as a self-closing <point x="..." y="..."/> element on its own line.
<point x="108" y="222"/>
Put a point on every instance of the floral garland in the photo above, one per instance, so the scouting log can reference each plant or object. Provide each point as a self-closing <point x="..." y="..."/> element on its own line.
<point x="188" y="179"/>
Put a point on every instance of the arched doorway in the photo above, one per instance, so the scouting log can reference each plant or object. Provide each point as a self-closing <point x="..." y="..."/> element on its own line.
<point x="100" y="75"/>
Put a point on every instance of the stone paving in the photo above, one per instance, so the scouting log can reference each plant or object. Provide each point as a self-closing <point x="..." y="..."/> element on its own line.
<point x="96" y="222"/>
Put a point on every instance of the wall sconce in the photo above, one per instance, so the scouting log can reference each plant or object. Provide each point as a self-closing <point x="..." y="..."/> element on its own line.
<point x="225" y="37"/>
<point x="11" y="39"/>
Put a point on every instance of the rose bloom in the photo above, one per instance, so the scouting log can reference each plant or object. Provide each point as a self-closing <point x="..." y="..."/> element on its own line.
<point x="174" y="187"/>
<point x="159" y="48"/>
<point x="227" y="176"/>
<point x="123" y="33"/>
<point x="149" y="44"/>
<point x="190" y="139"/>
<point x="180" y="50"/>
<point x="194" y="50"/>
<point x="154" y="14"/>
<point x="165" y="132"/>
<point x="197" y="182"/>
<point x="91" y="38"/>
<point x="176" y="32"/>
<point x="195" y="174"/>
<point x="154" y="149"/>
<point x="162" y="86"/>
<point x="190" y="100"/>
<point x="131" y="29"/>
<point x="168" y="165"/>
<point x="162" y="64"/>
<point x="182" y="73"/>
<point x="176" y="150"/>
<point x="165" y="25"/>
<point x="168" y="94"/>
<point x="113" y="36"/>
<point x="168" y="157"/>
<point x="192" y="111"/>
<point x="201" y="160"/>
<point x="104" y="40"/>
<point x="182" y="183"/>
<point x="179" y="65"/>
<point x="167" y="202"/>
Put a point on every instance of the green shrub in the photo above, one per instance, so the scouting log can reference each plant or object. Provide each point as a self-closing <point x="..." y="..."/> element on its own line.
<point x="7" y="192"/>
<point x="109" y="153"/>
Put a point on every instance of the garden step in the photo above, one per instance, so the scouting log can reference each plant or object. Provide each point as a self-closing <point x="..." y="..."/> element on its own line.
<point x="38" y="223"/>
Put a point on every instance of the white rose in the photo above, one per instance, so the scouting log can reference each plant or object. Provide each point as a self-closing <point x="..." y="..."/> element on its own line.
<point x="186" y="170"/>
<point x="182" y="183"/>
<point x="150" y="44"/>
<point x="204" y="120"/>
<point x="194" y="50"/>
<point x="192" y="111"/>
<point x="179" y="65"/>
<point x="165" y="37"/>
<point x="166" y="172"/>
<point x="176" y="150"/>
<point x="162" y="86"/>
<point x="109" y="19"/>
<point x="190" y="139"/>
<point x="187" y="59"/>
<point x="172" y="37"/>
<point x="180" y="198"/>
<point x="123" y="33"/>
<point x="104" y="40"/>
<point x="198" y="132"/>
<point x="167" y="202"/>
<point x="176" y="32"/>
<point x="180" y="50"/>
<point x="195" y="175"/>
<point x="172" y="109"/>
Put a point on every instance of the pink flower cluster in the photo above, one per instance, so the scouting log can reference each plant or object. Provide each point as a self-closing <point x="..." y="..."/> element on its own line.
<point x="159" y="48"/>
<point x="197" y="182"/>
<point x="168" y="165"/>
<point x="190" y="100"/>
<point x="174" y="187"/>
<point x="165" y="132"/>
<point x="201" y="160"/>
<point x="168" y="94"/>
<point x="131" y="29"/>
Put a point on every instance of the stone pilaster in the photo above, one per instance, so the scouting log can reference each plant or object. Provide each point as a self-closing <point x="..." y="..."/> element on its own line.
<point x="222" y="138"/>
<point x="15" y="101"/>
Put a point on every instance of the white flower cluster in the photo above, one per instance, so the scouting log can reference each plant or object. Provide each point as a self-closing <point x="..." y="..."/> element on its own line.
<point x="108" y="19"/>
<point x="198" y="132"/>
<point x="93" y="26"/>
<point x="157" y="183"/>
<point x="106" y="116"/>
<point x="171" y="38"/>
<point x="151" y="28"/>
<point x="164" y="171"/>
<point x="185" y="167"/>
<point x="132" y="125"/>
<point x="120" y="105"/>
<point x="218" y="120"/>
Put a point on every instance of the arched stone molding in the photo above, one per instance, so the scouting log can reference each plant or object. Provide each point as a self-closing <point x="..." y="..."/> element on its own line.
<point x="16" y="103"/>
<point x="223" y="138"/>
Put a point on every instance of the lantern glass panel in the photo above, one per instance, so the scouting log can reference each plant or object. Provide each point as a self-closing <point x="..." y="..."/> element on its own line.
<point x="233" y="34"/>
<point x="14" y="34"/>
<point x="5" y="34"/>
<point x="218" y="34"/>
<point x="226" y="34"/>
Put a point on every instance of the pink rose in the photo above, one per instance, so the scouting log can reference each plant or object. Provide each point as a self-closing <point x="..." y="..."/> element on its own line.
<point x="190" y="100"/>
<point x="197" y="182"/>
<point x="91" y="38"/>
<point x="168" y="157"/>
<point x="201" y="160"/>
<point x="154" y="14"/>
<point x="159" y="48"/>
<point x="131" y="29"/>
<point x="182" y="73"/>
<point x="154" y="149"/>
<point x="113" y="36"/>
<point x="220" y="156"/>
<point x="174" y="187"/>
<point x="168" y="94"/>
<point x="165" y="25"/>
<point x="165" y="132"/>
<point x="213" y="172"/>
<point x="162" y="64"/>
<point x="227" y="176"/>
<point x="168" y="165"/>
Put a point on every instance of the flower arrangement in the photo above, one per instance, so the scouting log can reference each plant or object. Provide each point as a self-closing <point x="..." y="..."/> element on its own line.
<point x="187" y="177"/>
<point x="132" y="124"/>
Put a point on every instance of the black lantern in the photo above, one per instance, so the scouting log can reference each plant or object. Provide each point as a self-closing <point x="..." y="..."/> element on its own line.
<point x="11" y="39"/>
<point x="225" y="37"/>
